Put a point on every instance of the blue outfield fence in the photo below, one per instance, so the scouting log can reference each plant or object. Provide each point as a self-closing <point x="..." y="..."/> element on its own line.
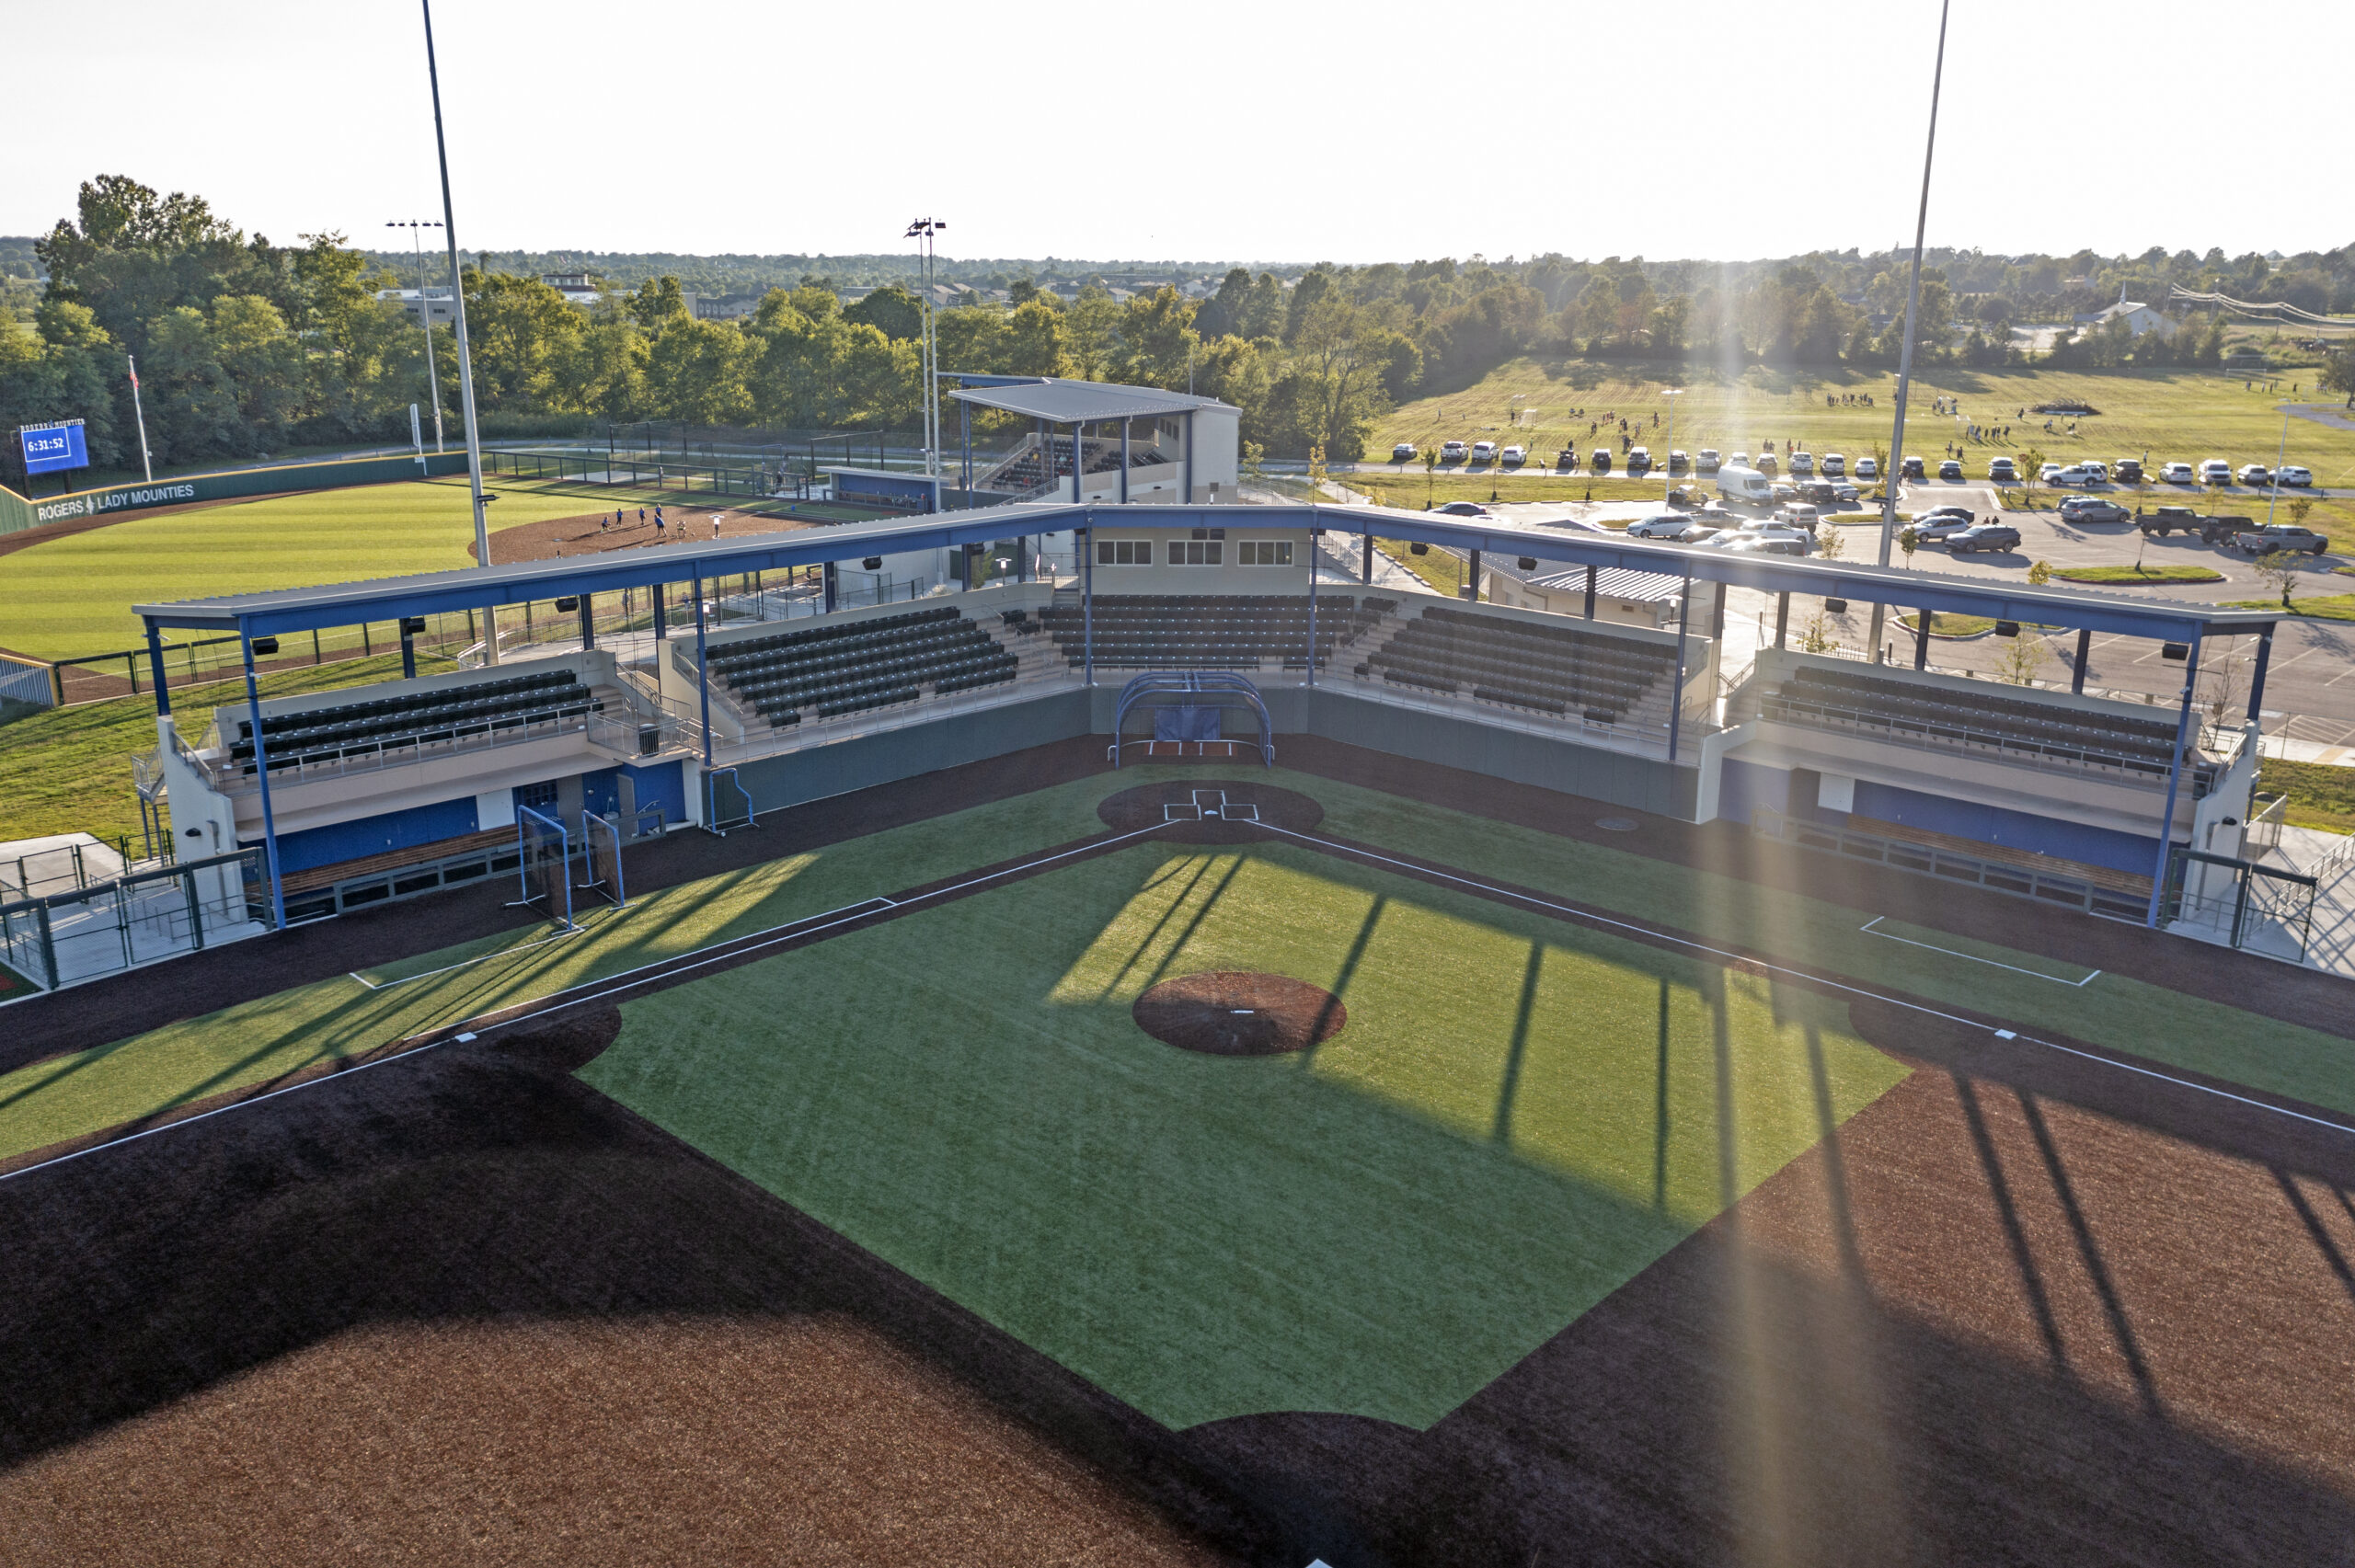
<point x="19" y="512"/>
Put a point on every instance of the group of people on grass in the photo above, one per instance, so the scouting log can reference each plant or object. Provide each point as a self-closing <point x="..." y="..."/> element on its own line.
<point x="662" y="525"/>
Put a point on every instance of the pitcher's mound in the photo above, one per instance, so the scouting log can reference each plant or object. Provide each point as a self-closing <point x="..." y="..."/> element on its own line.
<point x="1232" y="1012"/>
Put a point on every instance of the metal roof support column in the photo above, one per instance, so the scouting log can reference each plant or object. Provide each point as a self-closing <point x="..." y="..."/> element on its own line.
<point x="965" y="428"/>
<point x="1189" y="457"/>
<point x="2255" y="679"/>
<point x="1076" y="498"/>
<point x="2175" y="779"/>
<point x="1086" y="539"/>
<point x="1124" y="461"/>
<point x="587" y="622"/>
<point x="1365" y="572"/>
<point x="1475" y="577"/>
<point x="155" y="665"/>
<point x="1921" y="641"/>
<point x="261" y="772"/>
<point x="2084" y="651"/>
<point x="1592" y="573"/>
<point x="1782" y="621"/>
<point x="1676" y="697"/>
<point x="662" y="631"/>
<point x="703" y="673"/>
<point x="1314" y="536"/>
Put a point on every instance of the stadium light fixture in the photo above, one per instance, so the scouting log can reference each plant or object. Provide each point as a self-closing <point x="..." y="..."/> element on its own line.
<point x="922" y="231"/>
<point x="466" y="361"/>
<point x="424" y="314"/>
<point x="1905" y="352"/>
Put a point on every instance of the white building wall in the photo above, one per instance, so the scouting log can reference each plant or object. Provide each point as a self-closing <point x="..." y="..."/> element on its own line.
<point x="1218" y="453"/>
<point x="1230" y="576"/>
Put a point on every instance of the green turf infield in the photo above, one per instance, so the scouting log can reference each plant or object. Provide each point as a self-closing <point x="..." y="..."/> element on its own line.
<point x="1520" y="1115"/>
<point x="260" y="1040"/>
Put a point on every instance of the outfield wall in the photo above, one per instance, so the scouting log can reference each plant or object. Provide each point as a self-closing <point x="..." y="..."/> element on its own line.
<point x="19" y="513"/>
<point x="1644" y="783"/>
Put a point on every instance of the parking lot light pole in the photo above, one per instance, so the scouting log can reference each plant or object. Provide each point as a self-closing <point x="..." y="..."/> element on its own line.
<point x="1668" y="465"/>
<point x="424" y="314"/>
<point x="1906" y="351"/>
<point x="2273" y="492"/>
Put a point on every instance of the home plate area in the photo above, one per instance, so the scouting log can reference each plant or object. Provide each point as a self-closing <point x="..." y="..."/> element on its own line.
<point x="1220" y="811"/>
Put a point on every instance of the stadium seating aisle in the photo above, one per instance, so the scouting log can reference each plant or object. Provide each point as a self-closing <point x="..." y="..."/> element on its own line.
<point x="1209" y="631"/>
<point x="1564" y="671"/>
<point x="2019" y="726"/>
<point x="827" y="671"/>
<point x="450" y="715"/>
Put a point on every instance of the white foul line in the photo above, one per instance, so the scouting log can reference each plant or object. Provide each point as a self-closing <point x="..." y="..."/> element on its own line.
<point x="463" y="963"/>
<point x="1800" y="975"/>
<point x="1868" y="929"/>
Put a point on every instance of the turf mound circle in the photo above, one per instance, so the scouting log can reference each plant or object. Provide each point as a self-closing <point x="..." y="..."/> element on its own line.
<point x="1232" y="1012"/>
<point x="1617" y="824"/>
<point x="1210" y="811"/>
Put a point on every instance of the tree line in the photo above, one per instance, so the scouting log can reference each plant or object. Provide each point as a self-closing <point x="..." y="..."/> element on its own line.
<point x="246" y="348"/>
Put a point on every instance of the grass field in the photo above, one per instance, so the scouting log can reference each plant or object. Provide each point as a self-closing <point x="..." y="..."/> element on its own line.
<point x="2174" y="416"/>
<point x="1410" y="489"/>
<point x="2131" y="573"/>
<point x="256" y="1041"/>
<point x="1519" y="1116"/>
<point x="2321" y="794"/>
<point x="74" y="595"/>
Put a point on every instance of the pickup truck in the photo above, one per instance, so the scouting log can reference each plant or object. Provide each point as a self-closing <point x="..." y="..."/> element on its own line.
<point x="2287" y="537"/>
<point x="2160" y="521"/>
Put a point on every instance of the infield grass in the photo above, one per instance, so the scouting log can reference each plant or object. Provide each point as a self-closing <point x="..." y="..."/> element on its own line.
<point x="1517" y="1118"/>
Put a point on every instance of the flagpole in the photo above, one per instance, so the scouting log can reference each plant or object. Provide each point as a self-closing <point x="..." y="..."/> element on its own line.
<point x="145" y="462"/>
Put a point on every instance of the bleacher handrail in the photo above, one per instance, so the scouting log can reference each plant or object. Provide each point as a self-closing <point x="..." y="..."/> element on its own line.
<point x="1923" y="731"/>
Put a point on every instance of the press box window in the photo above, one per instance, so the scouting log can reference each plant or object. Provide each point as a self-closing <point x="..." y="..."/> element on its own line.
<point x="1124" y="552"/>
<point x="1267" y="553"/>
<point x="1197" y="552"/>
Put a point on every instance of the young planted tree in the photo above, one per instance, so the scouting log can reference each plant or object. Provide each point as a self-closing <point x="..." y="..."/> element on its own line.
<point x="1909" y="540"/>
<point x="2031" y="463"/>
<point x="2039" y="572"/>
<point x="2023" y="659"/>
<point x="2279" y="568"/>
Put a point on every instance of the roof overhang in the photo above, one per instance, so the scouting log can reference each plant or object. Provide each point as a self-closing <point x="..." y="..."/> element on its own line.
<point x="1081" y="402"/>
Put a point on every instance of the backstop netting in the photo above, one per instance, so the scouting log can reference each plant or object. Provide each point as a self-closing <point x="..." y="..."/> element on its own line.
<point x="601" y="858"/>
<point x="545" y="865"/>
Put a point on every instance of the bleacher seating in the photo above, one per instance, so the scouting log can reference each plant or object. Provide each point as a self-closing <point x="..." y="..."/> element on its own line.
<point x="1205" y="631"/>
<point x="831" y="671"/>
<point x="1561" y="671"/>
<point x="2015" y="726"/>
<point x="452" y="713"/>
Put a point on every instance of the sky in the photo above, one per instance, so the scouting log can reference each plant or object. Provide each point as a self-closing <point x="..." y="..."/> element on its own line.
<point x="1274" y="132"/>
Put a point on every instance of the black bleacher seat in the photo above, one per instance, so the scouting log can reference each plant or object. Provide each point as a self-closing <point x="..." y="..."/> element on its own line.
<point x="1205" y="631"/>
<point x="1548" y="670"/>
<point x="836" y="669"/>
<point x="445" y="714"/>
<point x="2046" y="731"/>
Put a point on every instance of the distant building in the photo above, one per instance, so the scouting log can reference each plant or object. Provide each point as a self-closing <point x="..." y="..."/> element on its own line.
<point x="578" y="288"/>
<point x="2140" y="318"/>
<point x="436" y="307"/>
<point x="721" y="307"/>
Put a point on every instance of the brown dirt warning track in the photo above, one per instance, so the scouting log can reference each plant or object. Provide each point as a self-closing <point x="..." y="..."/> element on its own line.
<point x="2024" y="1308"/>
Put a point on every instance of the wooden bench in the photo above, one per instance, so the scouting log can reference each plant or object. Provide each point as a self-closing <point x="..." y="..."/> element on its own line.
<point x="2004" y="855"/>
<point x="395" y="860"/>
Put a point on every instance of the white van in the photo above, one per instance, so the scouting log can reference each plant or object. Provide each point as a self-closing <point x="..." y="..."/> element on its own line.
<point x="1746" y="486"/>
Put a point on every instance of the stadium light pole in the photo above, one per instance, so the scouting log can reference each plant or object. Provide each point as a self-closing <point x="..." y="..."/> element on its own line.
<point x="465" y="361"/>
<point x="922" y="231"/>
<point x="1668" y="465"/>
<point x="424" y="315"/>
<point x="1905" y="352"/>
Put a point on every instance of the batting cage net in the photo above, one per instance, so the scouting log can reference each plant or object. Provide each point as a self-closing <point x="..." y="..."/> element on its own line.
<point x="601" y="858"/>
<point x="546" y="865"/>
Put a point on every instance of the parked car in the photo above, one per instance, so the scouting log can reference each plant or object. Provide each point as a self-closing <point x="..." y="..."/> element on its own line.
<point x="1939" y="528"/>
<point x="2176" y="473"/>
<point x="2127" y="471"/>
<point x="1782" y="494"/>
<point x="1910" y="469"/>
<point x="2160" y="521"/>
<point x="2003" y="471"/>
<point x="1513" y="456"/>
<point x="1819" y="492"/>
<point x="1670" y="525"/>
<point x="1567" y="458"/>
<point x="1706" y="461"/>
<point x="1949" y="469"/>
<point x="2100" y="470"/>
<point x="1484" y="452"/>
<point x="1688" y="496"/>
<point x="1600" y="461"/>
<point x="2044" y="475"/>
<point x="1982" y="536"/>
<point x="1640" y="459"/>
<point x="1773" y="541"/>
<point x="1739" y="460"/>
<point x="1834" y="465"/>
<point x="2076" y="474"/>
<point x="2291" y="474"/>
<point x="2276" y="536"/>
<point x="1403" y="452"/>
<point x="1798" y="514"/>
<point x="1464" y="509"/>
<point x="2094" y="509"/>
<point x="1678" y="461"/>
<point x="1765" y="463"/>
<point x="1867" y="468"/>
<point x="1451" y="452"/>
<point x="2256" y="476"/>
<point x="1802" y="465"/>
<point x="2215" y="471"/>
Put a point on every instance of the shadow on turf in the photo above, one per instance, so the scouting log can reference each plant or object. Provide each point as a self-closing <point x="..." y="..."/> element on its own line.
<point x="1719" y="1404"/>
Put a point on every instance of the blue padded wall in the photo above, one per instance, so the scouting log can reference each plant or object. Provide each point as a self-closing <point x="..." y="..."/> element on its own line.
<point x="376" y="835"/>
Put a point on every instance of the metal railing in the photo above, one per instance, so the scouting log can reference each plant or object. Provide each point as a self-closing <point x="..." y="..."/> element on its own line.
<point x="141" y="917"/>
<point x="300" y="764"/>
<point x="1904" y="855"/>
<point x="1931" y="733"/>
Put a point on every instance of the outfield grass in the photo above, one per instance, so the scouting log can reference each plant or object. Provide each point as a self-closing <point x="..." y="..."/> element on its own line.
<point x="74" y="595"/>
<point x="2174" y="416"/>
<point x="68" y="770"/>
<point x="271" y="1036"/>
<point x="1519" y="1116"/>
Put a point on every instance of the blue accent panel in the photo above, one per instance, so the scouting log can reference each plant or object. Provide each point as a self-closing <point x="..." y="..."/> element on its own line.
<point x="664" y="785"/>
<point x="599" y="793"/>
<point x="376" y="835"/>
<point x="1743" y="787"/>
<point x="1998" y="825"/>
<point x="1185" y="723"/>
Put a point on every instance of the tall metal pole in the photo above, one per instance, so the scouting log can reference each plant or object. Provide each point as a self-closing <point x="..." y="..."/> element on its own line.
<point x="466" y="361"/>
<point x="425" y="314"/>
<point x="147" y="465"/>
<point x="2271" y="495"/>
<point x="1905" y="352"/>
<point x="1668" y="463"/>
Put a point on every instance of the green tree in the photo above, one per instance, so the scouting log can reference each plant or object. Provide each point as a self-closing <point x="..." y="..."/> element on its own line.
<point x="2031" y="463"/>
<point x="1909" y="540"/>
<point x="1262" y="317"/>
<point x="1157" y="339"/>
<point x="524" y="339"/>
<point x="892" y="310"/>
<point x="2279" y="569"/>
<point x="2039" y="572"/>
<point x="1223" y="311"/>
